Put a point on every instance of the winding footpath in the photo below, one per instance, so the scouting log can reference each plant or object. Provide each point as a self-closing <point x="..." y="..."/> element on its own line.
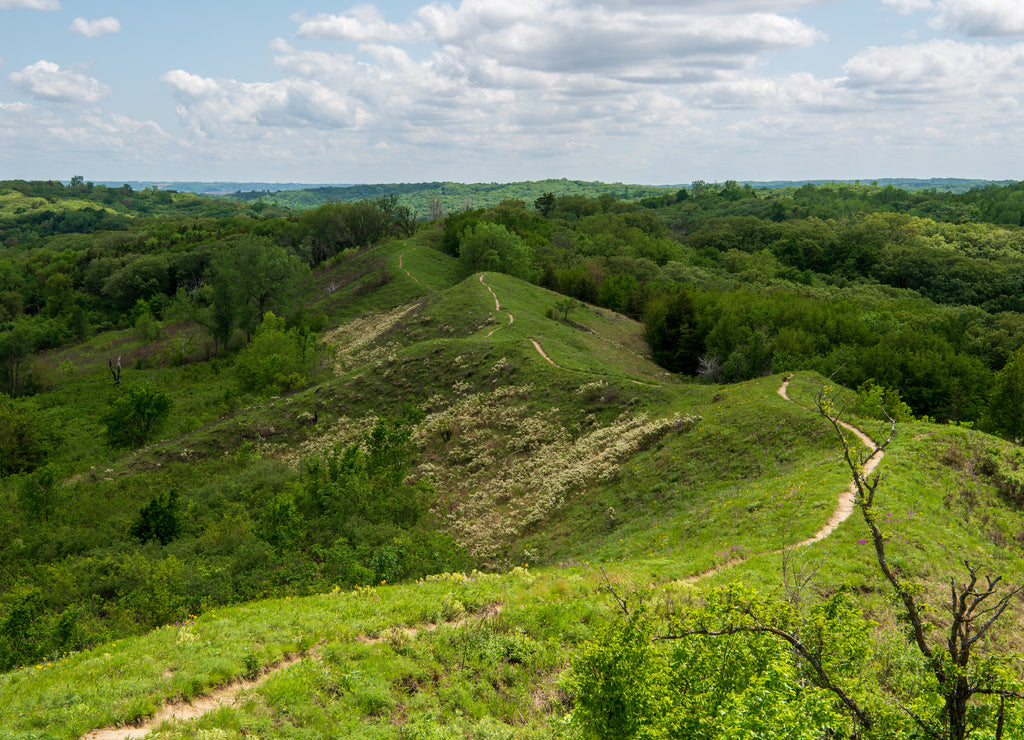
<point x="231" y="694"/>
<point x="844" y="505"/>
<point x="497" y="307"/>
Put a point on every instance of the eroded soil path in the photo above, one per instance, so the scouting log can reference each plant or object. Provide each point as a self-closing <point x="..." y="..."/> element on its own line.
<point x="401" y="266"/>
<point x="231" y="694"/>
<point x="497" y="307"/>
<point x="844" y="505"/>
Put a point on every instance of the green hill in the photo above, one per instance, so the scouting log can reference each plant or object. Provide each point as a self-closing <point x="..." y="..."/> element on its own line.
<point x="432" y="504"/>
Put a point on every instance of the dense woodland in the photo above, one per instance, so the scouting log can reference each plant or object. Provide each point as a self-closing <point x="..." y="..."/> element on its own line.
<point x="918" y="296"/>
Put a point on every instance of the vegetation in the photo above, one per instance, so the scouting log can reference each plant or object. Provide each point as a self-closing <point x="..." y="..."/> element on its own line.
<point x="232" y="435"/>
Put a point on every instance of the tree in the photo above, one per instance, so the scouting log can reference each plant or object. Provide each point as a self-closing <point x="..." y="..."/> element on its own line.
<point x="251" y="277"/>
<point x="15" y="356"/>
<point x="487" y="246"/>
<point x="134" y="415"/>
<point x="959" y="673"/>
<point x="160" y="519"/>
<point x="670" y="331"/>
<point x="1006" y="407"/>
<point x="545" y="204"/>
<point x="23" y="442"/>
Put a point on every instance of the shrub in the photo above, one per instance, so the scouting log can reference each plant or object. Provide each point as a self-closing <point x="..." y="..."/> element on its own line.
<point x="134" y="416"/>
<point x="160" y="519"/>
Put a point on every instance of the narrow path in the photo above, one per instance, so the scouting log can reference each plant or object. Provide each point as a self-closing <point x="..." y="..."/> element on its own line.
<point x="544" y="354"/>
<point x="228" y="694"/>
<point x="844" y="505"/>
<point x="497" y="307"/>
<point x="185" y="711"/>
<point x="401" y="266"/>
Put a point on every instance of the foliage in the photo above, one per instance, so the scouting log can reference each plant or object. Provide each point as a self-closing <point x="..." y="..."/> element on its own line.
<point x="671" y="332"/>
<point x="278" y="359"/>
<point x="488" y="246"/>
<point x="134" y="414"/>
<point x="1006" y="413"/>
<point x="24" y="440"/>
<point x="160" y="519"/>
<point x="629" y="684"/>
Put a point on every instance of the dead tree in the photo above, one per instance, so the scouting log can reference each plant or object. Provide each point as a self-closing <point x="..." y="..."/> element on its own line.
<point x="974" y="607"/>
<point x="115" y="369"/>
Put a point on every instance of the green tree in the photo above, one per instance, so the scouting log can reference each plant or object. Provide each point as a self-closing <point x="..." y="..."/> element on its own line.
<point x="134" y="415"/>
<point x="24" y="443"/>
<point x="545" y="204"/>
<point x="1006" y="407"/>
<point x="252" y="277"/>
<point x="160" y="519"/>
<point x="488" y="246"/>
<point x="670" y="331"/>
<point x="277" y="359"/>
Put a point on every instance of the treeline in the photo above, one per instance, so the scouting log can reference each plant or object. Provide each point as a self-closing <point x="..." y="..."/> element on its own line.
<point x="689" y="208"/>
<point x="928" y="308"/>
<point x="433" y="200"/>
<point x="30" y="211"/>
<point x="221" y="274"/>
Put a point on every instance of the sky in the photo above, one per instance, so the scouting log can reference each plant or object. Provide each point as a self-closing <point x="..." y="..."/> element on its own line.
<point x="635" y="91"/>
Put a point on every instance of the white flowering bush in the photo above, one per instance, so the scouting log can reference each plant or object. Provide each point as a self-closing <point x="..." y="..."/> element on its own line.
<point x="503" y="466"/>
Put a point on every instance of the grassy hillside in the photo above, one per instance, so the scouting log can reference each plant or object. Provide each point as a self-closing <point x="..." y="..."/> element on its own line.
<point x="556" y="453"/>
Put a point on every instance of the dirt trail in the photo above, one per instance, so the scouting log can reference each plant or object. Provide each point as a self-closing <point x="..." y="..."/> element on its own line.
<point x="497" y="307"/>
<point x="544" y="354"/>
<point x="401" y="266"/>
<point x="844" y="506"/>
<point x="229" y="694"/>
<point x="226" y="695"/>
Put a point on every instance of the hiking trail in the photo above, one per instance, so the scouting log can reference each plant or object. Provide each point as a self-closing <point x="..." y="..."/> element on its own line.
<point x="844" y="505"/>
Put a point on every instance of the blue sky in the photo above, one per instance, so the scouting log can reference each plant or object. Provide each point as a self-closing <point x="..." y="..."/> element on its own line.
<point x="645" y="91"/>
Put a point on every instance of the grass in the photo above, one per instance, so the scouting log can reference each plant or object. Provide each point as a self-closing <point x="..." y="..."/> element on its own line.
<point x="481" y="656"/>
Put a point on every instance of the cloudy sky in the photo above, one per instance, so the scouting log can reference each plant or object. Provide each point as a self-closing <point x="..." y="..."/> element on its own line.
<point x="640" y="91"/>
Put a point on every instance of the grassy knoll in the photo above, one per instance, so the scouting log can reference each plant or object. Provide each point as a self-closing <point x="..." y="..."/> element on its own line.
<point x="559" y="479"/>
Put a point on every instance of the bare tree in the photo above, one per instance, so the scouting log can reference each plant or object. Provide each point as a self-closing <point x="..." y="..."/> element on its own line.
<point x="436" y="209"/>
<point x="974" y="607"/>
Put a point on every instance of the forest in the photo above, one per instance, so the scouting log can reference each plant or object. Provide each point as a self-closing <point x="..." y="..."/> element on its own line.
<point x="152" y="342"/>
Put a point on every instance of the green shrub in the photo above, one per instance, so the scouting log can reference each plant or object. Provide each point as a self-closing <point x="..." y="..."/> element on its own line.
<point x="160" y="519"/>
<point x="134" y="415"/>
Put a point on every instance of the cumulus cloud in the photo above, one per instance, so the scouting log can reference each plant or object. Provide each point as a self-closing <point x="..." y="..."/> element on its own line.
<point x="568" y="36"/>
<point x="93" y="28"/>
<point x="363" y="23"/>
<point x="981" y="17"/>
<point x="942" y="71"/>
<point x="210" y="104"/>
<point x="48" y="81"/>
<point x="30" y="4"/>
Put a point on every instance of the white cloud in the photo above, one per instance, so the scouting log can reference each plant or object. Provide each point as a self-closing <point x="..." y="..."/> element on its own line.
<point x="363" y="23"/>
<point x="30" y="4"/>
<point x="92" y="29"/>
<point x="569" y="36"/>
<point x="941" y="71"/>
<point x="981" y="17"/>
<point x="907" y="7"/>
<point x="216" y="105"/>
<point x="48" y="81"/>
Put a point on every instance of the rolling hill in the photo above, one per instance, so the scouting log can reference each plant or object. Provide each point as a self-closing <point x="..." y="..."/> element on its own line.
<point x="577" y="475"/>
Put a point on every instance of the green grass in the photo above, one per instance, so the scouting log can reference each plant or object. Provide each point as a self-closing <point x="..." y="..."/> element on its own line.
<point x="479" y="656"/>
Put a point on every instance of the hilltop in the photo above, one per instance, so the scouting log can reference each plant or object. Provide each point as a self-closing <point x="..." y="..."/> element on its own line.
<point x="425" y="483"/>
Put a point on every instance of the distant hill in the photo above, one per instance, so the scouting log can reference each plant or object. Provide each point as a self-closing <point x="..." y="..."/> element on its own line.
<point x="208" y="188"/>
<point x="941" y="184"/>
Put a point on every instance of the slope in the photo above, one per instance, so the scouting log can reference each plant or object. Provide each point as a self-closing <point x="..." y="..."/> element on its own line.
<point x="586" y="454"/>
